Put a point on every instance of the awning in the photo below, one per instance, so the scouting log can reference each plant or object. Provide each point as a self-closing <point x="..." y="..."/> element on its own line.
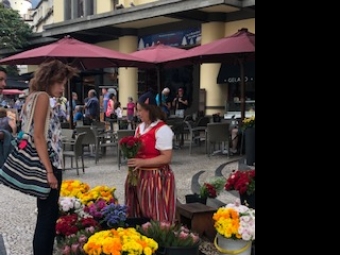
<point x="231" y="73"/>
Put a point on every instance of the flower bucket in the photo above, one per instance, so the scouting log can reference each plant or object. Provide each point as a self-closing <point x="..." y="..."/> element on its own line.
<point x="194" y="250"/>
<point x="231" y="246"/>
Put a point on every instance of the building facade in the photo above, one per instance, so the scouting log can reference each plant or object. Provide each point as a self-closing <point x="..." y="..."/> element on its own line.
<point x="129" y="25"/>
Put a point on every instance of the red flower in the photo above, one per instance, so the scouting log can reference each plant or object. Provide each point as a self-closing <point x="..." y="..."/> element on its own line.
<point x="70" y="224"/>
<point x="242" y="181"/>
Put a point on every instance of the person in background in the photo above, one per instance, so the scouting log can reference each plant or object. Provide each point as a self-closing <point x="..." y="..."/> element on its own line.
<point x="106" y="98"/>
<point x="92" y="108"/>
<point x="49" y="81"/>
<point x="130" y="109"/>
<point x="110" y="110"/>
<point x="154" y="196"/>
<point x="78" y="114"/>
<point x="6" y="122"/>
<point x="74" y="102"/>
<point x="3" y="77"/>
<point x="118" y="110"/>
<point x="162" y="101"/>
<point x="180" y="103"/>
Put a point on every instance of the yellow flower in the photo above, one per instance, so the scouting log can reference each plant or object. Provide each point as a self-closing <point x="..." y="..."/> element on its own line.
<point x="227" y="222"/>
<point x="117" y="241"/>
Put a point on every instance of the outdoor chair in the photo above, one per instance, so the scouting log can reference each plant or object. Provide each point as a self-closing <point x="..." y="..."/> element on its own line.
<point x="67" y="136"/>
<point x="76" y="152"/>
<point x="90" y="140"/>
<point x="197" y="137"/>
<point x="217" y="133"/>
<point x="120" y="134"/>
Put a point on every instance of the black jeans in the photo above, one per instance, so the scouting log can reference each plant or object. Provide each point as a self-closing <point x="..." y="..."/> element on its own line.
<point x="48" y="213"/>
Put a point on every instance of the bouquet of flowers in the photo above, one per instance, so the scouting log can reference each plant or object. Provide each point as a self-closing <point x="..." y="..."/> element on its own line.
<point x="70" y="205"/>
<point x="242" y="181"/>
<point x="68" y="225"/>
<point x="212" y="188"/>
<point x="99" y="192"/>
<point x="114" y="214"/>
<point x="235" y="221"/>
<point x="95" y="208"/>
<point x="169" y="235"/>
<point x="73" y="188"/>
<point x="130" y="145"/>
<point x="108" y="214"/>
<point x="120" y="241"/>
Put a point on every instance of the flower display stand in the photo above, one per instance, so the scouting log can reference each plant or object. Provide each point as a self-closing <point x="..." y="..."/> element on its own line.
<point x="194" y="250"/>
<point x="198" y="218"/>
<point x="250" y="146"/>
<point x="231" y="246"/>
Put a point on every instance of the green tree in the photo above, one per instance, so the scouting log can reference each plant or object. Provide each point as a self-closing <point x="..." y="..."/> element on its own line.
<point x="14" y="32"/>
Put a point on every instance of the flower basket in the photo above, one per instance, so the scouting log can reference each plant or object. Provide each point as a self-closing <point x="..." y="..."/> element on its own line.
<point x="231" y="246"/>
<point x="235" y="227"/>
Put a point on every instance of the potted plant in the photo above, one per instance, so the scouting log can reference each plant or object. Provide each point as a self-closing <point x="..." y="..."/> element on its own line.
<point x="172" y="239"/>
<point x="244" y="183"/>
<point x="210" y="189"/>
<point x="235" y="227"/>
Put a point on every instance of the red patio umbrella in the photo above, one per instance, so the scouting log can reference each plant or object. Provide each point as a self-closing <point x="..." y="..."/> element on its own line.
<point x="157" y="55"/>
<point x="76" y="53"/>
<point x="12" y="92"/>
<point x="237" y="48"/>
<point x="79" y="54"/>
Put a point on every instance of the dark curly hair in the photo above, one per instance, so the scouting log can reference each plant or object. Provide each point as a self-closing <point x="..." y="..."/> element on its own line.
<point x="49" y="73"/>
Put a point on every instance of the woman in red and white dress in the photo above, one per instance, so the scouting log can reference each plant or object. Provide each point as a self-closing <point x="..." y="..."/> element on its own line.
<point x="154" y="196"/>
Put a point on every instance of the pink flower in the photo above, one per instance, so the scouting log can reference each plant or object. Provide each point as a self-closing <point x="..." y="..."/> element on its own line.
<point x="75" y="247"/>
<point x="82" y="239"/>
<point x="145" y="226"/>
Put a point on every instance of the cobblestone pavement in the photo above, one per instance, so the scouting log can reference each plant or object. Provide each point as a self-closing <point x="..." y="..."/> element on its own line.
<point x="18" y="218"/>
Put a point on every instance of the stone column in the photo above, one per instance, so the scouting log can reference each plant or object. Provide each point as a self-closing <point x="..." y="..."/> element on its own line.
<point x="127" y="77"/>
<point x="216" y="93"/>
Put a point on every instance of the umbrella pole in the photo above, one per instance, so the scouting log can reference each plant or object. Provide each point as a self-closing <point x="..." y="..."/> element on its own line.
<point x="70" y="103"/>
<point x="243" y="88"/>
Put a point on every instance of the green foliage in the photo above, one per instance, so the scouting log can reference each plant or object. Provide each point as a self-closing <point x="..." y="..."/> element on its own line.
<point x="14" y="32"/>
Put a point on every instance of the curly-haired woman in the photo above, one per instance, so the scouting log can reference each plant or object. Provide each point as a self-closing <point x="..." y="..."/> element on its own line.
<point x="49" y="81"/>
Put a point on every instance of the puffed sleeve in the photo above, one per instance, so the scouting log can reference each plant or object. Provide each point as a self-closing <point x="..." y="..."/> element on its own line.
<point x="164" y="137"/>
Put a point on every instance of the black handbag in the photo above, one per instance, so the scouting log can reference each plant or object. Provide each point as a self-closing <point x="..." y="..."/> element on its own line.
<point x="23" y="171"/>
